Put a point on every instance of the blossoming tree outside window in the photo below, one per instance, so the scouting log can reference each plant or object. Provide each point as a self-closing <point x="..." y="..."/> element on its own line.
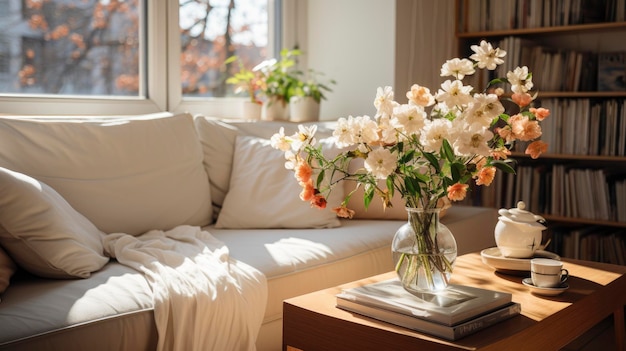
<point x="426" y="150"/>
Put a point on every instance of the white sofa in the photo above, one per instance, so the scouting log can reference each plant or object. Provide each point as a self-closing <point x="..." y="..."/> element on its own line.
<point x="132" y="174"/>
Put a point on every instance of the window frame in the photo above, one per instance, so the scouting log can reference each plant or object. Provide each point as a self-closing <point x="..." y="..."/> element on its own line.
<point x="162" y="92"/>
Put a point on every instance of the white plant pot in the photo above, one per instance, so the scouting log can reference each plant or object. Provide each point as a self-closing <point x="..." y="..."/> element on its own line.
<point x="275" y="110"/>
<point x="251" y="110"/>
<point x="304" y="109"/>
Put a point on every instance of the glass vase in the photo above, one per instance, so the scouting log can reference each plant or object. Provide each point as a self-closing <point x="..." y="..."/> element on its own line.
<point x="424" y="251"/>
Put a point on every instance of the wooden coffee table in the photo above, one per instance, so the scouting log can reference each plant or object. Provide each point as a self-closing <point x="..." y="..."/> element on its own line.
<point x="596" y="290"/>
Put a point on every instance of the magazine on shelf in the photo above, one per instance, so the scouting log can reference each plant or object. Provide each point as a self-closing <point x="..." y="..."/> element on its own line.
<point x="612" y="71"/>
<point x="454" y="305"/>
<point x="449" y="332"/>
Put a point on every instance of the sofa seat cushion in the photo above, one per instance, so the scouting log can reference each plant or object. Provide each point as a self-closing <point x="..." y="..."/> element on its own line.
<point x="298" y="261"/>
<point x="125" y="174"/>
<point x="116" y="302"/>
<point x="7" y="268"/>
<point x="117" y="298"/>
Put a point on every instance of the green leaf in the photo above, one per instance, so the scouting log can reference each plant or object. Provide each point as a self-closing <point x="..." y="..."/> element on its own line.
<point x="433" y="161"/>
<point x="447" y="151"/>
<point x="230" y="59"/>
<point x="320" y="179"/>
<point x="503" y="166"/>
<point x="368" y="195"/>
<point x="408" y="156"/>
<point x="457" y="170"/>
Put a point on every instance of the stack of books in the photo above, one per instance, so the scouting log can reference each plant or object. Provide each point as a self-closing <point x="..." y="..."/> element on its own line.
<point x="450" y="314"/>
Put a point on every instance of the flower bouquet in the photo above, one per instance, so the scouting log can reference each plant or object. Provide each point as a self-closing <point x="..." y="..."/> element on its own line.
<point x="426" y="150"/>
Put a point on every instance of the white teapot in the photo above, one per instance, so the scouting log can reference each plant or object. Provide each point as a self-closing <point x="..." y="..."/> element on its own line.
<point x="518" y="233"/>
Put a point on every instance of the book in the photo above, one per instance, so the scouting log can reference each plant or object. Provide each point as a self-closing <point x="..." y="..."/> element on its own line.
<point x="453" y="332"/>
<point x="454" y="305"/>
<point x="612" y="71"/>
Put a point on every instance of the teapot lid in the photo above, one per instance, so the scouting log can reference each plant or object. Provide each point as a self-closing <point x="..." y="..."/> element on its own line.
<point x="519" y="214"/>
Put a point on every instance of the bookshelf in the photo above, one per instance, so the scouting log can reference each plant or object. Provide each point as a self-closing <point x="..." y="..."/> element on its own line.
<point x="577" y="53"/>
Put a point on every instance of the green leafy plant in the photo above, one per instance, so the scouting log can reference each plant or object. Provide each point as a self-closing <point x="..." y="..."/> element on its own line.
<point x="279" y="77"/>
<point x="313" y="86"/>
<point x="249" y="81"/>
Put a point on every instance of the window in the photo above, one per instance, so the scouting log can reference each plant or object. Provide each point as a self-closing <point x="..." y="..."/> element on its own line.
<point x="127" y="56"/>
<point x="72" y="48"/>
<point x="211" y="33"/>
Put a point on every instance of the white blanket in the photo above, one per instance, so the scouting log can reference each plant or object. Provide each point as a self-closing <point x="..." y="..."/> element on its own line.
<point x="203" y="299"/>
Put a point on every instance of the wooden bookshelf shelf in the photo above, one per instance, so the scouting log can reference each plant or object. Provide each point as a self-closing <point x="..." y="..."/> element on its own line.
<point x="582" y="94"/>
<point x="563" y="219"/>
<point x="586" y="28"/>
<point x="589" y="158"/>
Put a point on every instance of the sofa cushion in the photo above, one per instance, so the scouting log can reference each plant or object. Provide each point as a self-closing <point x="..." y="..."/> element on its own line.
<point x="7" y="268"/>
<point x="218" y="144"/>
<point x="43" y="233"/>
<point x="264" y="194"/>
<point x="125" y="174"/>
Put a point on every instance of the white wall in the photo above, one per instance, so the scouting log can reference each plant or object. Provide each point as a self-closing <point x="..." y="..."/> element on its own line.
<point x="353" y="42"/>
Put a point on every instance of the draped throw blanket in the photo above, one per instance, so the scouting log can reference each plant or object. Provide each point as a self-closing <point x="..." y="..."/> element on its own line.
<point x="203" y="299"/>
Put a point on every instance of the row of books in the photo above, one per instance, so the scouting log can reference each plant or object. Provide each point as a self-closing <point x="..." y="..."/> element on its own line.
<point x="585" y="127"/>
<point x="591" y="243"/>
<point x="562" y="190"/>
<point x="493" y="15"/>
<point x="564" y="70"/>
<point x="451" y="314"/>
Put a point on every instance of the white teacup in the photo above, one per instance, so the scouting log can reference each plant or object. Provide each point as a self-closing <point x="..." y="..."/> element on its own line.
<point x="547" y="273"/>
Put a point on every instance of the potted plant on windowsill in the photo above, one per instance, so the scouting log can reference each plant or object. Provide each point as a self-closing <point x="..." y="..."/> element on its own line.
<point x="250" y="82"/>
<point x="307" y="97"/>
<point x="279" y="85"/>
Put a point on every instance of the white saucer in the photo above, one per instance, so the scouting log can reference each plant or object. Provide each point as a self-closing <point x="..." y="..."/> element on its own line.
<point x="494" y="258"/>
<point x="545" y="291"/>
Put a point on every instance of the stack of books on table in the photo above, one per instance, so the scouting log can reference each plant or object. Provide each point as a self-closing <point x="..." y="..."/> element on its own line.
<point x="450" y="314"/>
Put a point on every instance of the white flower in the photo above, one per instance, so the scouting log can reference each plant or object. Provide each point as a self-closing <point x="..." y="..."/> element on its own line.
<point x="280" y="141"/>
<point x="472" y="140"/>
<point x="484" y="109"/>
<point x="454" y="93"/>
<point x="343" y="132"/>
<point x="367" y="130"/>
<point x="291" y="160"/>
<point x="355" y="130"/>
<point x="304" y="135"/>
<point x="380" y="163"/>
<point x="434" y="133"/>
<point x="388" y="134"/>
<point x="384" y="102"/>
<point x="457" y="68"/>
<point x="486" y="56"/>
<point x="521" y="81"/>
<point x="409" y="118"/>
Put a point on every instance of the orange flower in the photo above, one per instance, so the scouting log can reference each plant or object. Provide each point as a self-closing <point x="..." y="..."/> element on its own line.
<point x="540" y="113"/>
<point x="318" y="201"/>
<point x="500" y="153"/>
<point x="524" y="129"/>
<point x="536" y="148"/>
<point x="303" y="172"/>
<point x="308" y="190"/>
<point x="486" y="175"/>
<point x="344" y="212"/>
<point x="420" y="96"/>
<point x="522" y="100"/>
<point x="457" y="192"/>
<point x="506" y="133"/>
